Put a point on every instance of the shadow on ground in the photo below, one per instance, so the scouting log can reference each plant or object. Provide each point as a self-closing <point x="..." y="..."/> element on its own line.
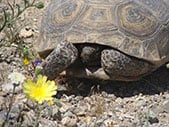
<point x="155" y="83"/>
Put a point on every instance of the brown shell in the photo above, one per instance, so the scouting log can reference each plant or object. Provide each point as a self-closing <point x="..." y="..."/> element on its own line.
<point x="138" y="28"/>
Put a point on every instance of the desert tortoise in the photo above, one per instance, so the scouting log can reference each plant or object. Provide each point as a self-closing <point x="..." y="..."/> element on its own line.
<point x="106" y="39"/>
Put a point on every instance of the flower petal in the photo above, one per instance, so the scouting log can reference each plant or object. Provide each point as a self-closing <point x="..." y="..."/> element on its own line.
<point x="40" y="91"/>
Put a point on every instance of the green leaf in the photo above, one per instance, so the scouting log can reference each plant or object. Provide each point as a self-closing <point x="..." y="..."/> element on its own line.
<point x="38" y="70"/>
<point x="19" y="9"/>
<point x="26" y="52"/>
<point x="39" y="5"/>
<point x="26" y="3"/>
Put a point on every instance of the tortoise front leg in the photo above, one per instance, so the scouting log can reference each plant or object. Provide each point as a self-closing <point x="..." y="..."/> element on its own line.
<point x="59" y="59"/>
<point x="123" y="67"/>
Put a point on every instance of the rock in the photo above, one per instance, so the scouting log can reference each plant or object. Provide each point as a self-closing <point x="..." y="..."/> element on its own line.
<point x="83" y="125"/>
<point x="68" y="114"/>
<point x="8" y="53"/>
<point x="56" y="114"/>
<point x="118" y="100"/>
<point x="29" y="118"/>
<point x="80" y="110"/>
<point x="26" y="32"/>
<point x="140" y="101"/>
<point x="69" y="122"/>
<point x="9" y="88"/>
<point x="153" y="120"/>
<point x="109" y="123"/>
<point x="69" y="119"/>
<point x="65" y="107"/>
<point x="152" y="117"/>
<point x="165" y="107"/>
<point x="46" y="111"/>
<point x="99" y="122"/>
<point x="2" y="117"/>
<point x="12" y="117"/>
<point x="47" y="123"/>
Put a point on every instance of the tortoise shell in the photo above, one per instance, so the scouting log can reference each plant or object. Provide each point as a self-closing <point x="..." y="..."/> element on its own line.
<point x="137" y="28"/>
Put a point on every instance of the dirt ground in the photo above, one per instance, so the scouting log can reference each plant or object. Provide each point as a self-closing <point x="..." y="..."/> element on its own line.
<point x="85" y="102"/>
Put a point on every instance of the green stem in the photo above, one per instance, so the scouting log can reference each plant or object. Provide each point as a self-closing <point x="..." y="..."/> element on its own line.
<point x="10" y="106"/>
<point x="13" y="16"/>
<point x="37" y="113"/>
<point x="5" y="18"/>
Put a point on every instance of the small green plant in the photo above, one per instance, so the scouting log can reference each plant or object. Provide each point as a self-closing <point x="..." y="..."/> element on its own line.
<point x="10" y="14"/>
<point x="143" y="118"/>
<point x="11" y="25"/>
<point x="39" y="92"/>
<point x="16" y="79"/>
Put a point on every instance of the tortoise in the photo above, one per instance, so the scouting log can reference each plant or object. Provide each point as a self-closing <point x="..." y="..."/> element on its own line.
<point x="104" y="39"/>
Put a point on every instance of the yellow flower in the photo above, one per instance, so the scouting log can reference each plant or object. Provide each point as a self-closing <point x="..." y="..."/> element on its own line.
<point x="40" y="91"/>
<point x="51" y="102"/>
<point x="26" y="61"/>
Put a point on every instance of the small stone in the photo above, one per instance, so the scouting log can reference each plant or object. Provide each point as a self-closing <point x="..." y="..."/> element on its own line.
<point x="80" y="110"/>
<point x="9" y="88"/>
<point x="112" y="96"/>
<point x="83" y="125"/>
<point x="47" y="111"/>
<point x="79" y="97"/>
<point x="65" y="107"/>
<point x="118" y="100"/>
<point x="108" y="123"/>
<point x="68" y="114"/>
<point x="152" y="117"/>
<point x="153" y="120"/>
<point x="100" y="122"/>
<point x="165" y="107"/>
<point x="29" y="118"/>
<point x="140" y="101"/>
<point x="69" y="122"/>
<point x="56" y="114"/>
<point x="35" y="20"/>
<point x="2" y="116"/>
<point x="47" y="123"/>
<point x="26" y="33"/>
